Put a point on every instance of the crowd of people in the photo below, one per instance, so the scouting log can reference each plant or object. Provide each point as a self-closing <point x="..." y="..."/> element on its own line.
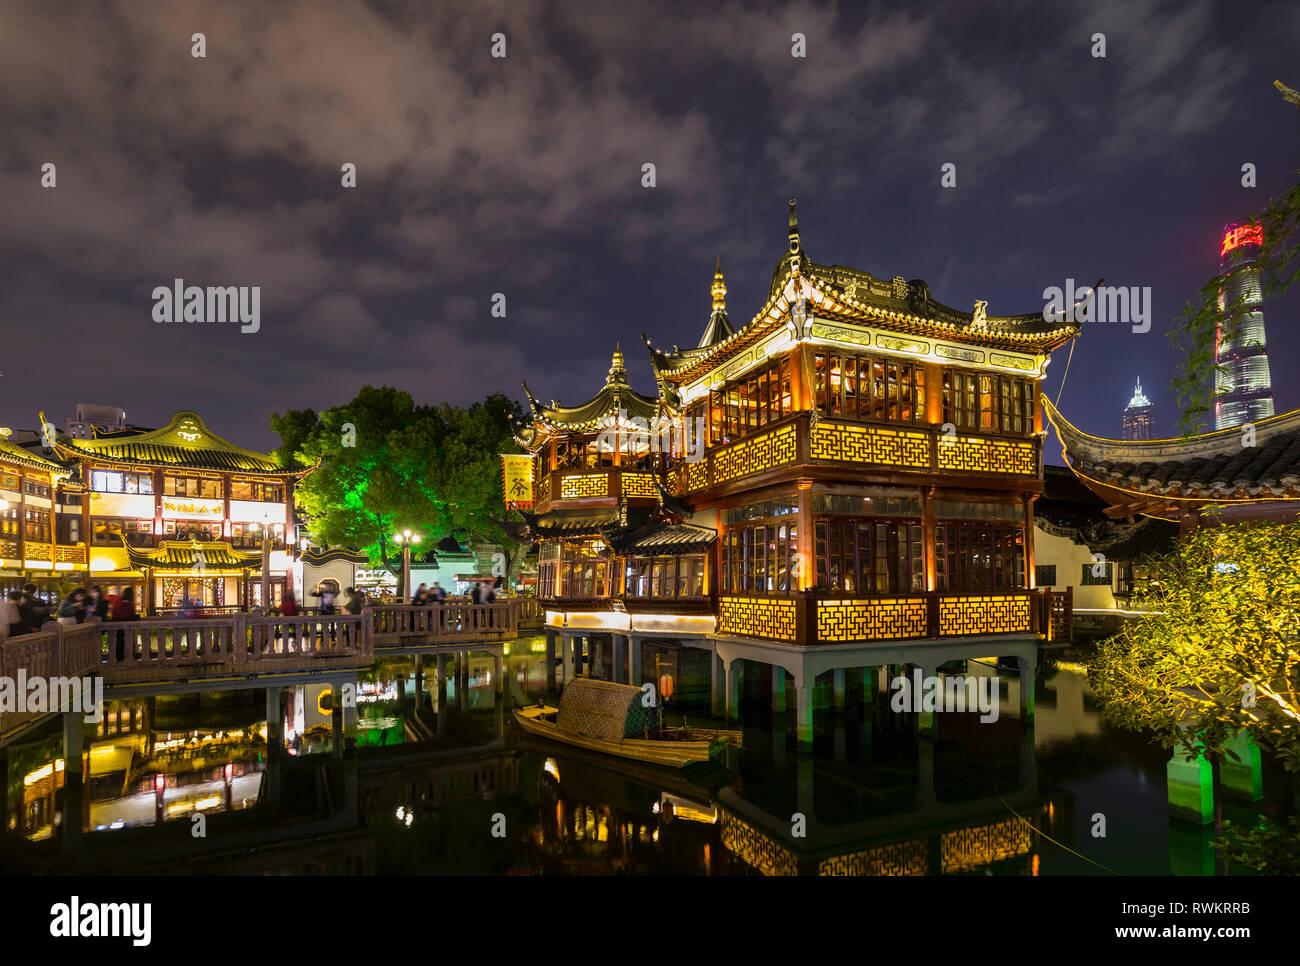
<point x="349" y="602"/>
<point x="26" y="613"/>
<point x="481" y="592"/>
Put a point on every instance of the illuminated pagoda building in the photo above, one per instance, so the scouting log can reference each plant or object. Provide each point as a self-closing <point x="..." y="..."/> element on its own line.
<point x="1243" y="385"/>
<point x="863" y="477"/>
<point x="175" y="513"/>
<point x="606" y="528"/>
<point x="1139" y="418"/>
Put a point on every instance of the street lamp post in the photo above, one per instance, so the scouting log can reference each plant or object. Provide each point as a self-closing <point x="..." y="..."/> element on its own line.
<point x="406" y="538"/>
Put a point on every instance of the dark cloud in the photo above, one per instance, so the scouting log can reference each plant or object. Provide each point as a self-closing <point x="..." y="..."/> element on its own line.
<point x="523" y="176"/>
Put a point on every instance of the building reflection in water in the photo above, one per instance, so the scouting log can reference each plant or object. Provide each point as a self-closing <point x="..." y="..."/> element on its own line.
<point x="412" y="775"/>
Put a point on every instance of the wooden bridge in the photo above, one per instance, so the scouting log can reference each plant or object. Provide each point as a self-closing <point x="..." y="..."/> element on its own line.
<point x="239" y="645"/>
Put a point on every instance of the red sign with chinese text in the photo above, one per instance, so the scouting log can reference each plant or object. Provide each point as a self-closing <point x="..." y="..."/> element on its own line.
<point x="1241" y="235"/>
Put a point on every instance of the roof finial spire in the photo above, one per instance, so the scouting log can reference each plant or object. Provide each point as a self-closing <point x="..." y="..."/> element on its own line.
<point x="794" y="228"/>
<point x="719" y="289"/>
<point x="617" y="371"/>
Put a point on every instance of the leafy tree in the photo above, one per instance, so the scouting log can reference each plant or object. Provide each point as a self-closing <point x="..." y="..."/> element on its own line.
<point x="387" y="465"/>
<point x="1197" y="329"/>
<point x="467" y="473"/>
<point x="1270" y="848"/>
<point x="295" y="428"/>
<point x="1219" y="651"/>
<point x="373" y="458"/>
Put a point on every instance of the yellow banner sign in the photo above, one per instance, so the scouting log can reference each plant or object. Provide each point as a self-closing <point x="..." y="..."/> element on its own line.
<point x="517" y="479"/>
<point x="192" y="509"/>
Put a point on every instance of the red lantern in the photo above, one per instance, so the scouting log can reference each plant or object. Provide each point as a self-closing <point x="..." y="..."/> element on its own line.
<point x="666" y="686"/>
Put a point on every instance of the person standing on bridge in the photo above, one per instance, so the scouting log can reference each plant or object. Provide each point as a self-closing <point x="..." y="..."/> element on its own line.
<point x="489" y="597"/>
<point x="96" y="604"/>
<point x="326" y="594"/>
<point x="123" y="610"/>
<point x="13" y="617"/>
<point x="356" y="601"/>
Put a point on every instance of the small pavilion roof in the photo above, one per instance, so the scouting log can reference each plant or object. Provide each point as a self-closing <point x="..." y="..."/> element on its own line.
<point x="187" y="554"/>
<point x="14" y="454"/>
<point x="614" y="397"/>
<point x="668" y="538"/>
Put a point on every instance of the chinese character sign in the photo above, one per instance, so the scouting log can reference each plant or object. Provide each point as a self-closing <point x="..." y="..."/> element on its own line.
<point x="517" y="479"/>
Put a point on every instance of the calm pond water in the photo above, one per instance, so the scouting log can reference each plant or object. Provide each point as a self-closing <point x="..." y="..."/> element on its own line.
<point x="446" y="784"/>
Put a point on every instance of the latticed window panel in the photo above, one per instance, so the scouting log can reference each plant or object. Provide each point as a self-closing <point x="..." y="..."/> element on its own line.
<point x="773" y="618"/>
<point x="639" y="484"/>
<point x="866" y="620"/>
<point x="970" y="848"/>
<point x="755" y="849"/>
<point x="977" y="455"/>
<point x="75" y="555"/>
<point x="753" y="456"/>
<point x="697" y="475"/>
<point x="592" y="484"/>
<point x="38" y="551"/>
<point x="543" y="488"/>
<point x="983" y="615"/>
<point x="868" y="444"/>
<point x="900" y="858"/>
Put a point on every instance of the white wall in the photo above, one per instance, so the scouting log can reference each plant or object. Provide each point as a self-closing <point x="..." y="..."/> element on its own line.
<point x="1069" y="559"/>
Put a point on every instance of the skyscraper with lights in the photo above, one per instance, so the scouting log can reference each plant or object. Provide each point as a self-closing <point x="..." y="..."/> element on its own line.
<point x="1243" y="386"/>
<point x="1139" y="419"/>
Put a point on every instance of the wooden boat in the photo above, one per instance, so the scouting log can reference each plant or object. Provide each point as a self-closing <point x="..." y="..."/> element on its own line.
<point x="609" y="718"/>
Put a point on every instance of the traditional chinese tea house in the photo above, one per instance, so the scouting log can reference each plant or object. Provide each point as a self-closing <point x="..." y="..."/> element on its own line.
<point x="850" y="472"/>
<point x="180" y="512"/>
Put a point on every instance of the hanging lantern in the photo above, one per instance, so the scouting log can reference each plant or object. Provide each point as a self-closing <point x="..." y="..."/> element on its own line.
<point x="666" y="686"/>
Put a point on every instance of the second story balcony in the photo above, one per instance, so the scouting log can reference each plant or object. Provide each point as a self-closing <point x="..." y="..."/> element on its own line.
<point x="592" y="486"/>
<point x="918" y="451"/>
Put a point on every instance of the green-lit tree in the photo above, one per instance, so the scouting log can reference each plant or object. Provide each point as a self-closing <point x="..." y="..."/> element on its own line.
<point x="384" y="464"/>
<point x="373" y="456"/>
<point x="1196" y="331"/>
<point x="1219" y="651"/>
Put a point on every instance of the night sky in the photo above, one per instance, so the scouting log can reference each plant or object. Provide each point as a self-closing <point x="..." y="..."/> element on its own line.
<point x="522" y="175"/>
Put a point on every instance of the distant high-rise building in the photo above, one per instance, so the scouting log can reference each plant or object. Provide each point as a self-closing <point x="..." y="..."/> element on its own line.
<point x="1243" y="388"/>
<point x="106" y="419"/>
<point x="1139" y="416"/>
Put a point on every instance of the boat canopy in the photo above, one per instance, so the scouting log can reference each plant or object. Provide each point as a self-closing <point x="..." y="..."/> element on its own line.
<point x="602" y="709"/>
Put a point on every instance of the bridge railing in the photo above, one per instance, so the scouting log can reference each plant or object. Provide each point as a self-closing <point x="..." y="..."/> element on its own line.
<point x="292" y="639"/>
<point x="528" y="610"/>
<point x="235" y="643"/>
<point x="54" y="651"/>
<point x="446" y="623"/>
